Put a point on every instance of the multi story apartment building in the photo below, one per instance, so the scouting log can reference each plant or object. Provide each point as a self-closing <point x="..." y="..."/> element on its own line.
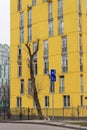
<point x="61" y="26"/>
<point x="4" y="75"/>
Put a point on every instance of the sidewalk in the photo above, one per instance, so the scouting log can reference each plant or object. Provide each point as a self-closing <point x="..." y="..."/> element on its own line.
<point x="51" y="123"/>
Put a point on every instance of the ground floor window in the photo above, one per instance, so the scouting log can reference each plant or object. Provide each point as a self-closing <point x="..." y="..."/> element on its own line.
<point x="19" y="102"/>
<point x="66" y="100"/>
<point x="46" y="101"/>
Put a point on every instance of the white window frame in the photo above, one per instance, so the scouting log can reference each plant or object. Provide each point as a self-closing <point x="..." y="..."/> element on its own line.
<point x="51" y="28"/>
<point x="67" y="100"/>
<point x="50" y="10"/>
<point x="46" y="66"/>
<point x="86" y="7"/>
<point x="60" y="7"/>
<point x="30" y="33"/>
<point x="52" y="88"/>
<point x="81" y="82"/>
<point x="22" y="86"/>
<point x="30" y="89"/>
<point x="33" y="2"/>
<point x="29" y="17"/>
<point x="34" y="49"/>
<point x="35" y="67"/>
<point x="46" y="48"/>
<point x="19" y="101"/>
<point x="22" y="19"/>
<point x="61" y="26"/>
<point x="61" y="87"/>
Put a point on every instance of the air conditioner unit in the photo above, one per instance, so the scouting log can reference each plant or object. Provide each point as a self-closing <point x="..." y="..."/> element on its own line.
<point x="29" y="6"/>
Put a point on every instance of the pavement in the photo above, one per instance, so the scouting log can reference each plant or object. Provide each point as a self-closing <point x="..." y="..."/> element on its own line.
<point x="63" y="124"/>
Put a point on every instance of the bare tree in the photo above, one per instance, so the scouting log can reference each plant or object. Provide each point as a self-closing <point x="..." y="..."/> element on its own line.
<point x="35" y="93"/>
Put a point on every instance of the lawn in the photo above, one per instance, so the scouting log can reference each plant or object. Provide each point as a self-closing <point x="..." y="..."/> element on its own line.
<point x="83" y="123"/>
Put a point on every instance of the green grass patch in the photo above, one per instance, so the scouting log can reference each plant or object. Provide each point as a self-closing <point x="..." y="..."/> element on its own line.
<point x="79" y="123"/>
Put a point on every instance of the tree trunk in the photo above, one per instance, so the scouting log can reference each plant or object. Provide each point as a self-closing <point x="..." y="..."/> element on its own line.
<point x="35" y="93"/>
<point x="36" y="99"/>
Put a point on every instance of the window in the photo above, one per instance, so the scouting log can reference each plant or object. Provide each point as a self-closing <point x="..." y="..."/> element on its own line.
<point x="0" y="71"/>
<point x="19" y="102"/>
<point x="81" y="52"/>
<point x="21" y="27"/>
<point x="19" y="61"/>
<point x="60" y="17"/>
<point x="61" y="26"/>
<point x="60" y="8"/>
<point x="22" y="35"/>
<point x="46" y="63"/>
<point x="29" y="25"/>
<point x="86" y="7"/>
<point x="35" y="67"/>
<point x="46" y="101"/>
<point x="66" y="100"/>
<point x="34" y="104"/>
<point x="30" y="90"/>
<point x="82" y="100"/>
<point x="61" y="86"/>
<point x="81" y="82"/>
<point x="50" y="10"/>
<point x="35" y="58"/>
<point x="46" y="48"/>
<point x="80" y="24"/>
<point x="22" y="86"/>
<point x="19" y="69"/>
<point x="30" y="34"/>
<point x="51" y="28"/>
<point x="19" y="5"/>
<point x="4" y="70"/>
<point x="80" y="42"/>
<point x="29" y="17"/>
<point x="34" y="49"/>
<point x="22" y="19"/>
<point x="46" y="66"/>
<point x="33" y="2"/>
<point x="79" y="6"/>
<point x="19" y="53"/>
<point x="44" y="0"/>
<point x="52" y="89"/>
<point x="64" y="54"/>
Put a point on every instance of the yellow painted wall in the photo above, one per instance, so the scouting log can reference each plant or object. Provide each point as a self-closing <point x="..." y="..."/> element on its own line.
<point x="40" y="30"/>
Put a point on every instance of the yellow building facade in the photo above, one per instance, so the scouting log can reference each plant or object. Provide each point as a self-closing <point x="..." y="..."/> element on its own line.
<point x="61" y="27"/>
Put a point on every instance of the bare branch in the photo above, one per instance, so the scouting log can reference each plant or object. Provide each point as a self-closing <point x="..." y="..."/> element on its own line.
<point x="28" y="47"/>
<point x="36" y="49"/>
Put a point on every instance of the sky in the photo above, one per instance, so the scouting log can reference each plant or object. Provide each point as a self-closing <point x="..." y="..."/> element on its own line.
<point x="5" y="22"/>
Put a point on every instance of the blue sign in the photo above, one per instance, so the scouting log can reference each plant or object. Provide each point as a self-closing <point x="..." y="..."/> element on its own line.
<point x="53" y="75"/>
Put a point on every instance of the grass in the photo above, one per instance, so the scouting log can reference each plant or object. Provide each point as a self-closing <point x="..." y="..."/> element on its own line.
<point x="79" y="123"/>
